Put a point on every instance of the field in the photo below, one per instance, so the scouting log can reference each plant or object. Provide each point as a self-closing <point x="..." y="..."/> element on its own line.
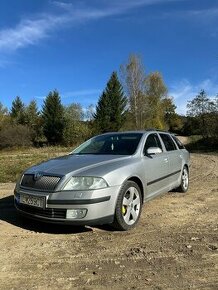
<point x="174" y="246"/>
<point x="14" y="162"/>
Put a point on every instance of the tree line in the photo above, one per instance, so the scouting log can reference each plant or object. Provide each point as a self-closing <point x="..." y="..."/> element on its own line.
<point x="132" y="100"/>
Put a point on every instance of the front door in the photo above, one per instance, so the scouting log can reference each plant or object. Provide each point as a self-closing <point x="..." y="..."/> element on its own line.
<point x="156" y="167"/>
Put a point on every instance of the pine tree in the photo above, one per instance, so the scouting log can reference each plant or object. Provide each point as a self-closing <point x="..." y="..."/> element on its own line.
<point x="34" y="122"/>
<point x="53" y="117"/>
<point x="18" y="111"/>
<point x="110" y="110"/>
<point x="32" y="114"/>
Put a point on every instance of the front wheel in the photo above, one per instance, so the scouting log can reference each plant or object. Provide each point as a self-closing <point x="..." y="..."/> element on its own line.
<point x="128" y="206"/>
<point x="184" y="180"/>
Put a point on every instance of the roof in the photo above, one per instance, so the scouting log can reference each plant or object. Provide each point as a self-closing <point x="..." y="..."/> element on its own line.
<point x="135" y="131"/>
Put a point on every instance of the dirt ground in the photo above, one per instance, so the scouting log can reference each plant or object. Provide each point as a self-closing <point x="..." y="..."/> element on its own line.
<point x="174" y="246"/>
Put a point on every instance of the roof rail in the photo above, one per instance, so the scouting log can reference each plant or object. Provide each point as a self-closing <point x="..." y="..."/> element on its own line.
<point x="158" y="130"/>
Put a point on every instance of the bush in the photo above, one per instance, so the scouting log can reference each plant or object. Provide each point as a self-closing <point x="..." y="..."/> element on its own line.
<point x="15" y="136"/>
<point x="202" y="144"/>
<point x="75" y="133"/>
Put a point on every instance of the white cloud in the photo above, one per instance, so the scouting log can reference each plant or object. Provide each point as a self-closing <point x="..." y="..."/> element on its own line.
<point x="85" y="97"/>
<point x="81" y="93"/>
<point x="205" y="13"/>
<point x="4" y="63"/>
<point x="31" y="31"/>
<point x="203" y="17"/>
<point x="40" y="97"/>
<point x="183" y="91"/>
<point x="27" y="32"/>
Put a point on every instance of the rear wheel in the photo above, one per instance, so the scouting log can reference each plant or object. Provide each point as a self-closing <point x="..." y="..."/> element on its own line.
<point x="184" y="180"/>
<point x="128" y="207"/>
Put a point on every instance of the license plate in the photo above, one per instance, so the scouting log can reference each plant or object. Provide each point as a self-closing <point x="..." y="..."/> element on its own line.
<point x="31" y="200"/>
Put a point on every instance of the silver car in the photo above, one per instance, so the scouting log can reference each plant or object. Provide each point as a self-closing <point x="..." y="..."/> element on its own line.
<point x="105" y="180"/>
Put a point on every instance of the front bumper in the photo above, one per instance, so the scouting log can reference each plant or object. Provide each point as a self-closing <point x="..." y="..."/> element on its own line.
<point x="100" y="205"/>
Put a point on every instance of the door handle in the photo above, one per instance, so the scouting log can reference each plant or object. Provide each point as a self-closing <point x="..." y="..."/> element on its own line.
<point x="165" y="159"/>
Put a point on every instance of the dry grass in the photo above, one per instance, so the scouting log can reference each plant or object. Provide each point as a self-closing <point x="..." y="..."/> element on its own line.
<point x="14" y="162"/>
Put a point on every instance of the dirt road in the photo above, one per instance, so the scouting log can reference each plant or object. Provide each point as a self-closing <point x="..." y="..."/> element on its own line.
<point x="174" y="246"/>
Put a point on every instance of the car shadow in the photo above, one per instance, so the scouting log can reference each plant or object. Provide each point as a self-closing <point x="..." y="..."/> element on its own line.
<point x="9" y="214"/>
<point x="106" y="228"/>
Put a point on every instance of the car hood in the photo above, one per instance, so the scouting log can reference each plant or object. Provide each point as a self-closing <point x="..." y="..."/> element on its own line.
<point x="74" y="163"/>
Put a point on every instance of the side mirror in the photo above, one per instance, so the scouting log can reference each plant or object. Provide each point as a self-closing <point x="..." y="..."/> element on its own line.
<point x="153" y="150"/>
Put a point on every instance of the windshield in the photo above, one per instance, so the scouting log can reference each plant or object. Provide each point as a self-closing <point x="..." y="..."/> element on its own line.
<point x="114" y="144"/>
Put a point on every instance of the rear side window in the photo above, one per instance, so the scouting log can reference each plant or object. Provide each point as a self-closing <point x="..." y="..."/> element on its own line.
<point x="152" y="141"/>
<point x="178" y="142"/>
<point x="168" y="142"/>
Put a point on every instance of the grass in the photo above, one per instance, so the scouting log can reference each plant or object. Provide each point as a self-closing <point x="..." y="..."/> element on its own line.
<point x="14" y="162"/>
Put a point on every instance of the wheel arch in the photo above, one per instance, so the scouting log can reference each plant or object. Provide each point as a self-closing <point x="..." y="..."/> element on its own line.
<point x="186" y="166"/>
<point x="138" y="181"/>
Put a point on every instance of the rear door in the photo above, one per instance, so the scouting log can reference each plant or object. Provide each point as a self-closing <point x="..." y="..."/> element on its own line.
<point x="156" y="167"/>
<point x="174" y="156"/>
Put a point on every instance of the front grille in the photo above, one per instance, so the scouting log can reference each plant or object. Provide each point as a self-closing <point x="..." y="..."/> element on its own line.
<point x="43" y="183"/>
<point x="57" y="213"/>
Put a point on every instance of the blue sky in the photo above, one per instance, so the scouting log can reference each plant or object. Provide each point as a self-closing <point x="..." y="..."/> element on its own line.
<point x="73" y="46"/>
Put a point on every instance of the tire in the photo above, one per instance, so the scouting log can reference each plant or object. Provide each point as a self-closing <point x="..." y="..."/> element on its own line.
<point x="184" y="180"/>
<point x="128" y="207"/>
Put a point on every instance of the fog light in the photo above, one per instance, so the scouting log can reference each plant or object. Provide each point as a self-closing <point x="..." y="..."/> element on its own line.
<point x="76" y="213"/>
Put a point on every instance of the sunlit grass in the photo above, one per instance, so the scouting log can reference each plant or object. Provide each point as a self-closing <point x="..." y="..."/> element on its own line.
<point x="14" y="162"/>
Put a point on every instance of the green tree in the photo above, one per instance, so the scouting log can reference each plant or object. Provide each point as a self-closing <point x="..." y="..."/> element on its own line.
<point x="205" y="111"/>
<point x="145" y="94"/>
<point x="133" y="76"/>
<point x="173" y="121"/>
<point x="76" y="130"/>
<point x="17" y="113"/>
<point x="74" y="112"/>
<point x="111" y="106"/>
<point x="32" y="114"/>
<point x="3" y="115"/>
<point x="53" y="118"/>
<point x="190" y="126"/>
<point x="90" y="111"/>
<point x="156" y="91"/>
<point x="34" y="122"/>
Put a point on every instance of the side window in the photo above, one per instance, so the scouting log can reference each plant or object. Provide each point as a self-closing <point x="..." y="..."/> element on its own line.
<point x="168" y="142"/>
<point x="152" y="141"/>
<point x="178" y="142"/>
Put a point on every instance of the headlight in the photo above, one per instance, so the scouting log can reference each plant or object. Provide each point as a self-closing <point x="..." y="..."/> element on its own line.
<point x="17" y="186"/>
<point x="85" y="183"/>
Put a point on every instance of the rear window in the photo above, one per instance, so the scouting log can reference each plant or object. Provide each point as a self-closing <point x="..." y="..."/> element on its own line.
<point x="168" y="142"/>
<point x="178" y="142"/>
